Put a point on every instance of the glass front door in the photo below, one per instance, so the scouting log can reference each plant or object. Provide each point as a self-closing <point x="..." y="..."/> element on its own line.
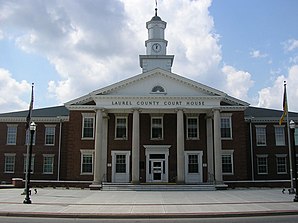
<point x="157" y="170"/>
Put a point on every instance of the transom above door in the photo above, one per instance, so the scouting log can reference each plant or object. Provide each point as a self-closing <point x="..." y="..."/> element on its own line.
<point x="157" y="163"/>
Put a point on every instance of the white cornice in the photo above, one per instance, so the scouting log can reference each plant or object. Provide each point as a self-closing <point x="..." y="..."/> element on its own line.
<point x="36" y="119"/>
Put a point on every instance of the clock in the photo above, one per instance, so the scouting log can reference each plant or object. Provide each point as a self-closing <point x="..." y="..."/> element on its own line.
<point x="156" y="47"/>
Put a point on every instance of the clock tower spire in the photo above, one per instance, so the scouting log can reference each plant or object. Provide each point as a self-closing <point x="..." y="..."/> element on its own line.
<point x="156" y="46"/>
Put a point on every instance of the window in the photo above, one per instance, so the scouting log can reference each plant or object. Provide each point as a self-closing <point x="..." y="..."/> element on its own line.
<point x="261" y="135"/>
<point x="88" y="126"/>
<point x="121" y="163"/>
<point x="156" y="128"/>
<point x="227" y="162"/>
<point x="192" y="128"/>
<point x="12" y="134"/>
<point x="193" y="163"/>
<point x="281" y="163"/>
<point x="9" y="163"/>
<point x="121" y="128"/>
<point x="28" y="138"/>
<point x="226" y="127"/>
<point x="48" y="164"/>
<point x="86" y="161"/>
<point x="279" y="135"/>
<point x="50" y="135"/>
<point x="158" y="90"/>
<point x="32" y="163"/>
<point x="262" y="164"/>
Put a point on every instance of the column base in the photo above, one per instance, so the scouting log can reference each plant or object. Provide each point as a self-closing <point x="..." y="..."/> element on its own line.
<point x="95" y="186"/>
<point x="135" y="182"/>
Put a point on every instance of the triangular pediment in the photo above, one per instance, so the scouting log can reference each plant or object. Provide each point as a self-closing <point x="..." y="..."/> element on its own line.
<point x="157" y="83"/>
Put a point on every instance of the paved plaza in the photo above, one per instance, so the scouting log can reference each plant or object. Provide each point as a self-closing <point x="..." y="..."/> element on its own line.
<point x="49" y="202"/>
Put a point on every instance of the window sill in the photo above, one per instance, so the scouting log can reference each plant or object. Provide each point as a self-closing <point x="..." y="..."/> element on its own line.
<point x="87" y="139"/>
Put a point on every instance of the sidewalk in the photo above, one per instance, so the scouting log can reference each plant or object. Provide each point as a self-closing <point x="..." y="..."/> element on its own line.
<point x="128" y="204"/>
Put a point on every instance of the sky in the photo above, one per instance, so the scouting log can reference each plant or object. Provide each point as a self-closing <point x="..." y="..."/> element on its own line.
<point x="69" y="48"/>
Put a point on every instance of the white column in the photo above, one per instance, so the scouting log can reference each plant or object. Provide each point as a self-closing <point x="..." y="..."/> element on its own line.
<point x="135" y="146"/>
<point x="98" y="144"/>
<point x="104" y="148"/>
<point x="210" y="163"/>
<point x="217" y="148"/>
<point x="180" y="147"/>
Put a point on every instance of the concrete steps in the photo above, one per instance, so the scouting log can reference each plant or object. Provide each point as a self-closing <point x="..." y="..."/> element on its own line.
<point x="157" y="187"/>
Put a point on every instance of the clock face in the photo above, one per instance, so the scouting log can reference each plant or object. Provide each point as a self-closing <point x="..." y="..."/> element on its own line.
<point x="156" y="47"/>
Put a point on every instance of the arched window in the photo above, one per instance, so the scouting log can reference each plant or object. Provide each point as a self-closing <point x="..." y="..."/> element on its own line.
<point x="158" y="90"/>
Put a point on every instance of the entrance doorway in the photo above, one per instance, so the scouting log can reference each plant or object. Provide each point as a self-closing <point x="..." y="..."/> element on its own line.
<point x="157" y="163"/>
<point x="157" y="170"/>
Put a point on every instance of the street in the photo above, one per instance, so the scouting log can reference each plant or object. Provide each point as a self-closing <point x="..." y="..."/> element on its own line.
<point x="259" y="219"/>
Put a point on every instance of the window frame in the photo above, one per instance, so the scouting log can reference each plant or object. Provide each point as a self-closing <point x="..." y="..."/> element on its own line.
<point x="228" y="153"/>
<point x="88" y="116"/>
<point x="11" y="135"/>
<point x="85" y="152"/>
<point x="258" y="135"/>
<point x="194" y="164"/>
<point x="45" y="156"/>
<point x="47" y="128"/>
<point x="188" y="128"/>
<point x="118" y="125"/>
<point x="284" y="165"/>
<point x="279" y="136"/>
<point x="265" y="165"/>
<point x="12" y="164"/>
<point x="156" y="126"/>
<point x="227" y="116"/>
<point x="121" y="164"/>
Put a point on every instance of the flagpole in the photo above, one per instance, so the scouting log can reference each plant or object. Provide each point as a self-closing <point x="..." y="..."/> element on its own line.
<point x="285" y="107"/>
<point x="291" y="191"/>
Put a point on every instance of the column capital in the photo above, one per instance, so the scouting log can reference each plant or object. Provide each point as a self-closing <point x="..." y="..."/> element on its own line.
<point x="216" y="109"/>
<point x="180" y="109"/>
<point x="100" y="109"/>
<point x="136" y="109"/>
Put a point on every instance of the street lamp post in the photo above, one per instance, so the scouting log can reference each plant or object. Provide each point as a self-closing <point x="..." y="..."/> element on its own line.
<point x="292" y="128"/>
<point x="28" y="171"/>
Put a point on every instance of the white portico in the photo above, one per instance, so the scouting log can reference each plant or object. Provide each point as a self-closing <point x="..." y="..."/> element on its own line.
<point x="157" y="126"/>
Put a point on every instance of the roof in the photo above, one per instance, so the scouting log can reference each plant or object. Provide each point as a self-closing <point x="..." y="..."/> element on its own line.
<point x="42" y="112"/>
<point x="259" y="114"/>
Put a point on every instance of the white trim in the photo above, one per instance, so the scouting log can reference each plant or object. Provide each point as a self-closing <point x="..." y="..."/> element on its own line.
<point x="120" y="177"/>
<point x="157" y="149"/>
<point x="53" y="163"/>
<point x="227" y="116"/>
<point x="262" y="156"/>
<point x="126" y="127"/>
<point x="229" y="152"/>
<point x="151" y="128"/>
<point x="195" y="116"/>
<point x="87" y="152"/>
<point x="92" y="116"/>
<point x="14" y="162"/>
<point x="193" y="177"/>
<point x="45" y="134"/>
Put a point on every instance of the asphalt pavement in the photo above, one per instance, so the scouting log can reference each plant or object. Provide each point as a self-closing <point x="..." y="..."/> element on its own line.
<point x="85" y="203"/>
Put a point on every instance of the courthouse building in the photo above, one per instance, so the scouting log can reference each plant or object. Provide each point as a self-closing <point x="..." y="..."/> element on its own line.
<point x="155" y="127"/>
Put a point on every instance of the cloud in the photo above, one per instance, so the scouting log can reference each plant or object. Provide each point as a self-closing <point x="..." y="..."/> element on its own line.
<point x="271" y="97"/>
<point x="237" y="82"/>
<point x="291" y="45"/>
<point x="95" y="43"/>
<point x="12" y="92"/>
<point x="257" y="54"/>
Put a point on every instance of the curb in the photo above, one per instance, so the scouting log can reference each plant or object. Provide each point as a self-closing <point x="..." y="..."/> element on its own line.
<point x="149" y="215"/>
